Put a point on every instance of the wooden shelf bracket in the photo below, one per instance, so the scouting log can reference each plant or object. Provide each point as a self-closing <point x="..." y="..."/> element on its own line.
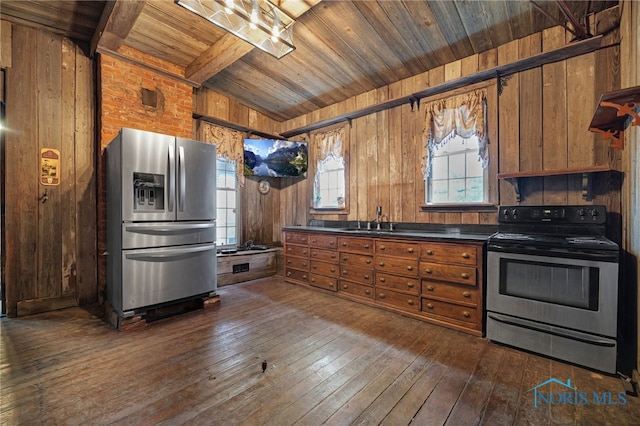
<point x="613" y="114"/>
<point x="515" y="181"/>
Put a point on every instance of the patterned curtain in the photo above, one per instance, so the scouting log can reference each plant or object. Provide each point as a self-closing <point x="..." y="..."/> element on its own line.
<point x="229" y="144"/>
<point x="463" y="115"/>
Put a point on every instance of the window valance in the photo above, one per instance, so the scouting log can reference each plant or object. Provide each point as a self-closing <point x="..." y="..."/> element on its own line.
<point x="329" y="142"/>
<point x="463" y="115"/>
<point x="229" y="144"/>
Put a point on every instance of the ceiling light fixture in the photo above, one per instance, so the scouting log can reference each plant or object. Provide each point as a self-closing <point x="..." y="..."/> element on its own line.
<point x="255" y="21"/>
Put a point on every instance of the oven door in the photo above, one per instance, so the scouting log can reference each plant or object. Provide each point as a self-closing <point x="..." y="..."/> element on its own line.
<point x="570" y="293"/>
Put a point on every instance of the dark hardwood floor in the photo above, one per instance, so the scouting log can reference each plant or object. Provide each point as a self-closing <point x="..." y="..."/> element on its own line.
<point x="329" y="361"/>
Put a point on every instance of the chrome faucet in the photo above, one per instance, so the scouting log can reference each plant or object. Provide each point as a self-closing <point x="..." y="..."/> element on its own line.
<point x="378" y="217"/>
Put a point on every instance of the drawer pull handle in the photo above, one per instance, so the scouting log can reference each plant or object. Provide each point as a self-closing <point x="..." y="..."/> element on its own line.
<point x="466" y="314"/>
<point x="288" y="260"/>
<point x="430" y="252"/>
<point x="368" y="261"/>
<point x="344" y="272"/>
<point x="466" y="255"/>
<point x="382" y="296"/>
<point x="382" y="247"/>
<point x="304" y="263"/>
<point x="466" y="294"/>
<point x="288" y="274"/>
<point x="314" y="266"/>
<point x="367" y="291"/>
<point x="313" y="280"/>
<point x="366" y="277"/>
<point x="410" y="302"/>
<point x="345" y="258"/>
<point x="344" y="244"/>
<point x="330" y="284"/>
<point x="367" y="246"/>
<point x="409" y="268"/>
<point x="410" y="250"/>
<point x="304" y="276"/>
<point x="430" y="305"/>
<point x="381" y="263"/>
<point x="428" y="271"/>
<point x="345" y="286"/>
<point x="464" y="275"/>
<point x="430" y="287"/>
<point x="333" y="256"/>
<point x="314" y="240"/>
<point x="333" y="269"/>
<point x="410" y="285"/>
<point x="382" y="279"/>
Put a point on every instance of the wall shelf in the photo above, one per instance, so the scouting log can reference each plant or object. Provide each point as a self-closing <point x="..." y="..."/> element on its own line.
<point x="614" y="113"/>
<point x="517" y="178"/>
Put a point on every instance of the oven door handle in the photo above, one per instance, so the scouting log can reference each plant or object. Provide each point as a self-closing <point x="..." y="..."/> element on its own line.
<point x="556" y="331"/>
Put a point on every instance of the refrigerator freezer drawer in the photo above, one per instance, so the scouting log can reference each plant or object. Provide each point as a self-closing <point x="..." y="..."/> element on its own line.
<point x="159" y="234"/>
<point x="154" y="276"/>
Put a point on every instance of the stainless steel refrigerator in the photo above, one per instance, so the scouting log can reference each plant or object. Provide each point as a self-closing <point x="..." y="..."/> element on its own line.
<point x="161" y="226"/>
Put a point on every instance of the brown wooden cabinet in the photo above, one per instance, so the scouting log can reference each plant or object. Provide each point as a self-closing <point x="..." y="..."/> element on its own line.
<point x="435" y="281"/>
<point x="452" y="285"/>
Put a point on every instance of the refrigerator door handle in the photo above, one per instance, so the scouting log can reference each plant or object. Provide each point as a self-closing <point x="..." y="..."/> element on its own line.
<point x="168" y="254"/>
<point x="182" y="182"/>
<point x="172" y="178"/>
<point x="178" y="227"/>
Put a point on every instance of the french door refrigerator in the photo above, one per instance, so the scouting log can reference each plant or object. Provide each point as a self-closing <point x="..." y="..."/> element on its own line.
<point x="161" y="226"/>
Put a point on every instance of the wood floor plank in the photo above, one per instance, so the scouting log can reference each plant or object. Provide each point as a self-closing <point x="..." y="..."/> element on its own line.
<point x="330" y="361"/>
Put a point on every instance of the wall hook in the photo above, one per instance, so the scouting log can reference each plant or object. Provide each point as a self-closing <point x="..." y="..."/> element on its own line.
<point x="44" y="197"/>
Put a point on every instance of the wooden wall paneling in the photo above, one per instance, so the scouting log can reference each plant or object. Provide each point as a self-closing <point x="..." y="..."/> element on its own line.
<point x="470" y="66"/>
<point x="554" y="142"/>
<point x="488" y="59"/>
<point x="580" y="96"/>
<point x="21" y="186"/>
<point x="369" y="144"/>
<point x="382" y="166"/>
<point x="395" y="154"/>
<point x="86" y="176"/>
<point x="358" y="161"/>
<point x="531" y="105"/>
<point x="436" y="77"/>
<point x="492" y="124"/>
<point x="508" y="123"/>
<point x="420" y="82"/>
<point x="409" y="149"/>
<point x="49" y="118"/>
<point x="5" y="44"/>
<point x="68" y="169"/>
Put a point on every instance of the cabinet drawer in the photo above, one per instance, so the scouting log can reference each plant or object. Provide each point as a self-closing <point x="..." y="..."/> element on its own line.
<point x="398" y="248"/>
<point x="297" y="275"/>
<point x="326" y="255"/>
<point x="296" y="250"/>
<point x="360" y="260"/>
<point x="323" y="241"/>
<point x="453" y="273"/>
<point x="449" y="253"/>
<point x="324" y="268"/>
<point x="406" y="302"/>
<point x="356" y="289"/>
<point x="321" y="281"/>
<point x="449" y="310"/>
<point x="297" y="263"/>
<point x="355" y="245"/>
<point x="397" y="265"/>
<point x="296" y="237"/>
<point x="361" y="275"/>
<point x="396" y="282"/>
<point x="451" y="292"/>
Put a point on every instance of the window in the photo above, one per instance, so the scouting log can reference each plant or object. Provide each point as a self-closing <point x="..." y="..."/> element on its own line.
<point x="457" y="175"/>
<point x="456" y="160"/>
<point x="227" y="203"/>
<point x="329" y="183"/>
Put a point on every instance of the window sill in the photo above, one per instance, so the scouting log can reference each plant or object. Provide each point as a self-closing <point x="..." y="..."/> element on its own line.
<point x="452" y="207"/>
<point x="330" y="210"/>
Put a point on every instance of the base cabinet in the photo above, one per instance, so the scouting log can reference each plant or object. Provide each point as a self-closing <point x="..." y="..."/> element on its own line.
<point x="437" y="282"/>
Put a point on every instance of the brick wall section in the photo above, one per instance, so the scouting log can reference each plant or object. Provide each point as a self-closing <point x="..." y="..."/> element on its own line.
<point x="120" y="105"/>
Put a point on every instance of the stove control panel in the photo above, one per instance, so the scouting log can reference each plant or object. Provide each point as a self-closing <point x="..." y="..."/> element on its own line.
<point x="552" y="214"/>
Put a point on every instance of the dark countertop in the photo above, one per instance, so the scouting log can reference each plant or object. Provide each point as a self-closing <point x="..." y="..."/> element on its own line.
<point x="402" y="230"/>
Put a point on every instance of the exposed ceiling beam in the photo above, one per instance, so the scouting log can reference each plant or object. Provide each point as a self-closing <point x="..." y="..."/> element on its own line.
<point x="230" y="48"/>
<point x="118" y="17"/>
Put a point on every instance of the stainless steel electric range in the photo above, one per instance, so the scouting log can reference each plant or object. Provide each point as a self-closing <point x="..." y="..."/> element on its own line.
<point x="552" y="284"/>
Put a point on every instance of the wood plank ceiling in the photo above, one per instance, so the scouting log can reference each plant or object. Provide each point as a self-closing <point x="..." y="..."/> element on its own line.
<point x="343" y="48"/>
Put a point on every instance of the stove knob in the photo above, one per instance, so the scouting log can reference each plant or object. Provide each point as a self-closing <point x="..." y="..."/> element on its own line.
<point x="594" y="213"/>
<point x="514" y="213"/>
<point x="581" y="213"/>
